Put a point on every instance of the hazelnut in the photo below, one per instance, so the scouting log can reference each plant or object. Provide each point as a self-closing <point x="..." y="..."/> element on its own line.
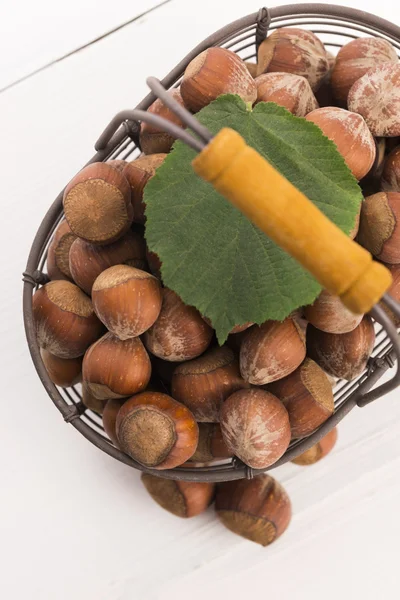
<point x="154" y="140"/>
<point x="118" y="164"/>
<point x="329" y="314"/>
<point x="138" y="173"/>
<point x="271" y="351"/>
<point x="87" y="261"/>
<point x="58" y="252"/>
<point x="110" y="412"/>
<point x="351" y="136"/>
<point x="376" y="97"/>
<point x="214" y="72"/>
<point x="258" y="509"/>
<point x="211" y="444"/>
<point x="114" y="368"/>
<point x="181" y="498"/>
<point x="66" y="324"/>
<point x="342" y="355"/>
<point x="179" y="333"/>
<point x="91" y="402"/>
<point x="204" y="383"/>
<point x="391" y="172"/>
<point x="255" y="427"/>
<point x="296" y="51"/>
<point x="126" y="300"/>
<point x="355" y="59"/>
<point x="307" y="396"/>
<point x="157" y="431"/>
<point x="97" y="204"/>
<point x="63" y="372"/>
<point x="290" y="91"/>
<point x="379" y="228"/>
<point x="318" y="451"/>
<point x="252" y="68"/>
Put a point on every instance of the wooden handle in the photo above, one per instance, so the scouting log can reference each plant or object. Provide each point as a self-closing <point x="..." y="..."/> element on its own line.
<point x="292" y="221"/>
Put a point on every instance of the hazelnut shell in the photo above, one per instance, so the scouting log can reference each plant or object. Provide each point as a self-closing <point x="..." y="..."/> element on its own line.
<point x="66" y="324"/>
<point x="126" y="300"/>
<point x="114" y="368"/>
<point x="255" y="427"/>
<point x="157" y="431"/>
<point x="258" y="509"/>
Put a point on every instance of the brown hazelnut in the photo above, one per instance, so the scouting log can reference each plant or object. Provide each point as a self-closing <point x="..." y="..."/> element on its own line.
<point x="290" y="91"/>
<point x="376" y="97"/>
<point x="138" y="173"/>
<point x="214" y="72"/>
<point x="154" y="140"/>
<point x="258" y="509"/>
<point x="91" y="402"/>
<point x="181" y="498"/>
<point x="271" y="351"/>
<point x="118" y="164"/>
<point x="255" y="427"/>
<point x="63" y="372"/>
<point x="391" y="172"/>
<point x="87" y="261"/>
<point x="252" y="68"/>
<point x="97" y="204"/>
<point x="179" y="333"/>
<point x="211" y="444"/>
<point x="296" y="51"/>
<point x="58" y="252"/>
<point x="355" y="59"/>
<point x="307" y="396"/>
<point x="66" y="324"/>
<point x="379" y="226"/>
<point x="114" y="368"/>
<point x="110" y="412"/>
<point x="329" y="314"/>
<point x="204" y="383"/>
<point x="157" y="431"/>
<point x="342" y="355"/>
<point x="350" y="134"/>
<point x="126" y="300"/>
<point x="318" y="451"/>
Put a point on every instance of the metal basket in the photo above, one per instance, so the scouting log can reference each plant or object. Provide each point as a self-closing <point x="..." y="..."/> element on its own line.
<point x="335" y="25"/>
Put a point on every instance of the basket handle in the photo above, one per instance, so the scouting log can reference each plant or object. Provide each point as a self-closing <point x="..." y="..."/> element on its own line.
<point x="292" y="221"/>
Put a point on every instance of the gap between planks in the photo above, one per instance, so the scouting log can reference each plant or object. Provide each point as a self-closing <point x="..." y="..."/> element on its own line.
<point x="84" y="46"/>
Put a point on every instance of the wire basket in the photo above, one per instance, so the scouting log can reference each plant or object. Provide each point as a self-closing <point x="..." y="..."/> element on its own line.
<point x="335" y="25"/>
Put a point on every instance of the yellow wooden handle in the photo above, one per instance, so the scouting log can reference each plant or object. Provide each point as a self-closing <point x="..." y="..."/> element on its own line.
<point x="292" y="221"/>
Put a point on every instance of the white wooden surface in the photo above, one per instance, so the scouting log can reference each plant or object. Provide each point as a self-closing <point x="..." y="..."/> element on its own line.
<point x="73" y="522"/>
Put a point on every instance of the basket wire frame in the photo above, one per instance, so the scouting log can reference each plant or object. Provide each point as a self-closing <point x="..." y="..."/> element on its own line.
<point x="335" y="25"/>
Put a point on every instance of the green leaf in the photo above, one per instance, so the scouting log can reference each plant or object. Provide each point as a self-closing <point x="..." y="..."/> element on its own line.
<point x="212" y="255"/>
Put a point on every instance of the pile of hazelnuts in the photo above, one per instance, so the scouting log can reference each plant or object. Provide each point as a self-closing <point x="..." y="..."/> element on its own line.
<point x="168" y="394"/>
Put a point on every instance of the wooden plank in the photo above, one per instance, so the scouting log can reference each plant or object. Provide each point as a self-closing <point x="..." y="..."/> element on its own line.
<point x="34" y="34"/>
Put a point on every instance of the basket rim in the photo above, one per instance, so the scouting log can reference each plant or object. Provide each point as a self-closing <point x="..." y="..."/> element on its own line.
<point x="32" y="275"/>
